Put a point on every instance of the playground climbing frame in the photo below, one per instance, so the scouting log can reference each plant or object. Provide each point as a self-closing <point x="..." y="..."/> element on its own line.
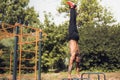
<point x="24" y="36"/>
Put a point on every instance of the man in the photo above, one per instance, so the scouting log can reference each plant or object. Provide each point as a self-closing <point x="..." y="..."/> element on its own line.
<point x="73" y="40"/>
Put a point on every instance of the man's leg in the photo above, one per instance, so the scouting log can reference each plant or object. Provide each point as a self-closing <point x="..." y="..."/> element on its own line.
<point x="73" y="47"/>
<point x="72" y="22"/>
<point x="77" y="65"/>
<point x="77" y="60"/>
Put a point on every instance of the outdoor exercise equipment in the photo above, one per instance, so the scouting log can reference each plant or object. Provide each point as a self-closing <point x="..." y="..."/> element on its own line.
<point x="87" y="76"/>
<point x="24" y="35"/>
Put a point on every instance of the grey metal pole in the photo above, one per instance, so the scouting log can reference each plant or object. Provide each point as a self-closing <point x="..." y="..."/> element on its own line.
<point x="40" y="52"/>
<point x="15" y="55"/>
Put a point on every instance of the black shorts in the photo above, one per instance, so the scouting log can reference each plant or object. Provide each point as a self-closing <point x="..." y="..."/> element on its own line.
<point x="73" y="36"/>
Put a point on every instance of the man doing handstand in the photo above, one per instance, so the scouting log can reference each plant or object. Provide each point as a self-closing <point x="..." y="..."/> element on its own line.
<point x="73" y="40"/>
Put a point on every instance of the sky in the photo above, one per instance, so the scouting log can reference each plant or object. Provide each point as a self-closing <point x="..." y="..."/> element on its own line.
<point x="51" y="5"/>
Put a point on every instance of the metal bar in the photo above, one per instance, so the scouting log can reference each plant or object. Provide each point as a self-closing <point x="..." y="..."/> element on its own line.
<point x="15" y="55"/>
<point x="89" y="73"/>
<point x="28" y="51"/>
<point x="27" y="67"/>
<point x="30" y="42"/>
<point x="82" y="76"/>
<point x="10" y="62"/>
<point x="40" y="52"/>
<point x="4" y="68"/>
<point x="10" y="26"/>
<point x="20" y="55"/>
<point x="88" y="76"/>
<point x="98" y="76"/>
<point x="104" y="76"/>
<point x="36" y="51"/>
<point x="23" y="59"/>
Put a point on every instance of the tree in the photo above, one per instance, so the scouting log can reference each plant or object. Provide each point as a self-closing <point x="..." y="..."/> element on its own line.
<point x="54" y="47"/>
<point x="12" y="11"/>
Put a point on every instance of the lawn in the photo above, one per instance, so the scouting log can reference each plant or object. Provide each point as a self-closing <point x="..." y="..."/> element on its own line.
<point x="61" y="75"/>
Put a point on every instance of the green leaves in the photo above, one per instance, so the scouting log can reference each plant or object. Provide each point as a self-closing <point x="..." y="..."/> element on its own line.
<point x="54" y="48"/>
<point x="18" y="11"/>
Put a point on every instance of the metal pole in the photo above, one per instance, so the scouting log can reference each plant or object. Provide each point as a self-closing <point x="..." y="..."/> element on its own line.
<point x="98" y="76"/>
<point x="40" y="52"/>
<point x="15" y="55"/>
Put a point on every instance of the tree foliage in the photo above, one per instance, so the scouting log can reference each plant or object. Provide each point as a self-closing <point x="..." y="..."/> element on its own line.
<point x="12" y="11"/>
<point x="54" y="48"/>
